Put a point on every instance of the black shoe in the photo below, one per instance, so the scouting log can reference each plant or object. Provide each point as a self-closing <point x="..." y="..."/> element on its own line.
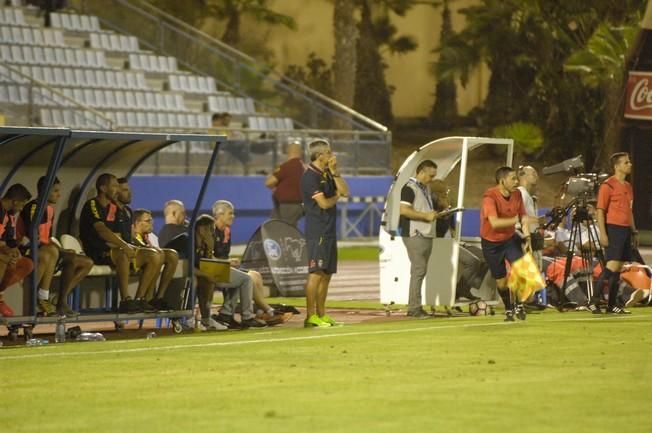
<point x="129" y="306"/>
<point x="509" y="316"/>
<point x="418" y="314"/>
<point x="282" y="308"/>
<point x="146" y="307"/>
<point x="227" y="320"/>
<point x="252" y="323"/>
<point x="594" y="308"/>
<point x="520" y="312"/>
<point x="617" y="310"/>
<point x="160" y="304"/>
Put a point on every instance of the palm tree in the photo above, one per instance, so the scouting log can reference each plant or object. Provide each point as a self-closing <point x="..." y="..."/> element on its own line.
<point x="444" y="110"/>
<point x="602" y="66"/>
<point x="232" y="12"/>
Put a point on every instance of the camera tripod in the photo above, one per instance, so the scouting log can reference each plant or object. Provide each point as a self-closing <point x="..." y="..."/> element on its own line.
<point x="584" y="235"/>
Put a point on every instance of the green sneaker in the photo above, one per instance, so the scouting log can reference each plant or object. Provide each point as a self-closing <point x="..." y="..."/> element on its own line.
<point x="315" y="322"/>
<point x="326" y="318"/>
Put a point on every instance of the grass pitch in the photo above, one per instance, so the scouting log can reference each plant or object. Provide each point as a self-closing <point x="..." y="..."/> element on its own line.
<point x="552" y="373"/>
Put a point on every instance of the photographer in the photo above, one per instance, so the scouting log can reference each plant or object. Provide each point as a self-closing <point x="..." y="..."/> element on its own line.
<point x="617" y="230"/>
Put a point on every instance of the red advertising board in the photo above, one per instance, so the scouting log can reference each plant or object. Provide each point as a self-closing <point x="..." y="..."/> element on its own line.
<point x="638" y="96"/>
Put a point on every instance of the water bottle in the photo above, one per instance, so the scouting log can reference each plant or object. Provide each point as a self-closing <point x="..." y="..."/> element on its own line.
<point x="90" y="336"/>
<point x="151" y="335"/>
<point x="36" y="342"/>
<point x="60" y="332"/>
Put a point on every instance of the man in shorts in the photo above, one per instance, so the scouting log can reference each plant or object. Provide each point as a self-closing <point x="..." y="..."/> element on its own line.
<point x="321" y="188"/>
<point x="74" y="267"/>
<point x="13" y="266"/>
<point x="502" y="209"/>
<point x="100" y="231"/>
<point x="617" y="231"/>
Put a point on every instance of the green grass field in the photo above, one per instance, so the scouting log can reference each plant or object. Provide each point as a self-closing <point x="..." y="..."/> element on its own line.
<point x="552" y="373"/>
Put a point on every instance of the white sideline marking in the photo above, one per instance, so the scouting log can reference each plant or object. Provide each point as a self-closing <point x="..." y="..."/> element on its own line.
<point x="301" y="338"/>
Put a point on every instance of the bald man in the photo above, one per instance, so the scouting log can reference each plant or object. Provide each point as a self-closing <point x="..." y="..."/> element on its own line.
<point x="286" y="184"/>
<point x="175" y="221"/>
<point x="527" y="184"/>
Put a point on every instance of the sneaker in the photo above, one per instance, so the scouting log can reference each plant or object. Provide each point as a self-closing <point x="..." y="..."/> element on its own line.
<point x="65" y="310"/>
<point x="191" y="324"/>
<point x="46" y="308"/>
<point x="418" y="314"/>
<point x="227" y="320"/>
<point x="145" y="306"/>
<point x="617" y="310"/>
<point x="520" y="312"/>
<point x="328" y="319"/>
<point x="594" y="308"/>
<point x="129" y="306"/>
<point x="509" y="316"/>
<point x="315" y="322"/>
<point x="5" y="310"/>
<point x="276" y="319"/>
<point x="252" y="323"/>
<point x="213" y="325"/>
<point x="636" y="297"/>
<point x="159" y="304"/>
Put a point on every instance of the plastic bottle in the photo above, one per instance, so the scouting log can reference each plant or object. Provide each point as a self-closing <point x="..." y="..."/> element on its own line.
<point x="60" y="332"/>
<point x="90" y="336"/>
<point x="151" y="335"/>
<point x="37" y="342"/>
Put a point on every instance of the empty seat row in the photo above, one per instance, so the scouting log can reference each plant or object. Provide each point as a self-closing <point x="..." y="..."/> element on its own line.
<point x="8" y="76"/>
<point x="11" y="93"/>
<point x="126" y="100"/>
<point x="191" y="84"/>
<point x="12" y="16"/>
<point x="270" y="123"/>
<point x="75" y="22"/>
<point x="26" y="54"/>
<point x="32" y="36"/>
<point x="152" y="63"/>
<point x="231" y="104"/>
<point x="113" y="42"/>
<point x="72" y="119"/>
<point x="77" y="77"/>
<point x="141" y="119"/>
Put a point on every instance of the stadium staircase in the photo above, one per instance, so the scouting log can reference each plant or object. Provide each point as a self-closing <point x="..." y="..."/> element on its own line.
<point x="124" y="65"/>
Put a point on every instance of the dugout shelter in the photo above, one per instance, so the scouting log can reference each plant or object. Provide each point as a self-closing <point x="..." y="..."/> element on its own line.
<point x="441" y="280"/>
<point x="77" y="157"/>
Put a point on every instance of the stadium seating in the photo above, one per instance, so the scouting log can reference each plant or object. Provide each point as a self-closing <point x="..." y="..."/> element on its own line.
<point x="147" y="92"/>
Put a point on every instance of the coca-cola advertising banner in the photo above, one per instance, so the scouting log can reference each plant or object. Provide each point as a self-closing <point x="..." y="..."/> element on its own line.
<point x="638" y="99"/>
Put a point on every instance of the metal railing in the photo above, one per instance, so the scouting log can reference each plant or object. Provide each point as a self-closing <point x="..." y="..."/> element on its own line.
<point x="260" y="152"/>
<point x="233" y="70"/>
<point x="30" y="95"/>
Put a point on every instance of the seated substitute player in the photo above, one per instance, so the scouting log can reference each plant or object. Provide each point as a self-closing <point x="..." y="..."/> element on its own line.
<point x="143" y="226"/>
<point x="100" y="229"/>
<point x="174" y="213"/>
<point x="74" y="267"/>
<point x="224" y="214"/>
<point x="167" y="258"/>
<point x="502" y="209"/>
<point x="13" y="266"/>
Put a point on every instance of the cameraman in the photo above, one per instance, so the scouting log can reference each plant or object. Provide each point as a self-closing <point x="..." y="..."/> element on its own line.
<point x="617" y="230"/>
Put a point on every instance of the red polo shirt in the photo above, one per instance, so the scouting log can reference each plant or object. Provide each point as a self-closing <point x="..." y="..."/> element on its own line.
<point x="615" y="198"/>
<point x="495" y="204"/>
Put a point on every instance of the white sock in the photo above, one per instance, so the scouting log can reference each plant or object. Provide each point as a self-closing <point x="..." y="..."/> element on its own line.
<point x="270" y="311"/>
<point x="44" y="294"/>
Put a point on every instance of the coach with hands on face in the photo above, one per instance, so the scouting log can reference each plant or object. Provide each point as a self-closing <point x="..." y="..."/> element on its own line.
<point x="321" y="187"/>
